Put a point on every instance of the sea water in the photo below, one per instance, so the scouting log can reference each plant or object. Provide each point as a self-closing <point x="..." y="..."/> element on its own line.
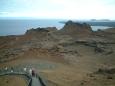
<point x="17" y="27"/>
<point x="20" y="26"/>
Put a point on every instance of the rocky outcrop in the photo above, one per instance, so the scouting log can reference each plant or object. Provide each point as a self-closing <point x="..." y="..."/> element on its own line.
<point x="107" y="34"/>
<point x="107" y="71"/>
<point x="76" y="29"/>
<point x="99" y="46"/>
<point x="41" y="30"/>
<point x="40" y="37"/>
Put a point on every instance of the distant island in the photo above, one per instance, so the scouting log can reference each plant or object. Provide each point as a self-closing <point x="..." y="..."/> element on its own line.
<point x="108" y="20"/>
<point x="95" y="22"/>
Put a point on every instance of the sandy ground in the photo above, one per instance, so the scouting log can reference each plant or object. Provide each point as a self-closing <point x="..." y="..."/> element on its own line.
<point x="12" y="81"/>
<point x="63" y="69"/>
<point x="59" y="72"/>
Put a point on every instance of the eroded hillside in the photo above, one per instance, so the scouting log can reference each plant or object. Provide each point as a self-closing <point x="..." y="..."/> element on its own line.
<point x="64" y="57"/>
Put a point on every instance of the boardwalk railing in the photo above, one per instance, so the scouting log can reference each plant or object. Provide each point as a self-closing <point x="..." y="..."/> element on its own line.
<point x="28" y="77"/>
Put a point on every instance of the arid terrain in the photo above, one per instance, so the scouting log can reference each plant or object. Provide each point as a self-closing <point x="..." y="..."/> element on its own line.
<point x="12" y="81"/>
<point x="72" y="56"/>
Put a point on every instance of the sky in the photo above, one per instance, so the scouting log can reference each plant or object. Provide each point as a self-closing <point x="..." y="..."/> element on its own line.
<point x="58" y="9"/>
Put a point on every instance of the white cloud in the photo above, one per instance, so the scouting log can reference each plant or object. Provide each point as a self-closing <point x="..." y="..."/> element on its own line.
<point x="83" y="9"/>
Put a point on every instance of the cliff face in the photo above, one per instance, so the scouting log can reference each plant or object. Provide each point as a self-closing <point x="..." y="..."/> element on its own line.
<point x="76" y="29"/>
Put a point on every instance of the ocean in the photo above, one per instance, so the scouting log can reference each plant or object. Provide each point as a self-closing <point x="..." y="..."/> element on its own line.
<point x="20" y="26"/>
<point x="17" y="27"/>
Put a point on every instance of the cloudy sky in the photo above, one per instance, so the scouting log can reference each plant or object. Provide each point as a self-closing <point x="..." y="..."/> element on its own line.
<point x="58" y="9"/>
